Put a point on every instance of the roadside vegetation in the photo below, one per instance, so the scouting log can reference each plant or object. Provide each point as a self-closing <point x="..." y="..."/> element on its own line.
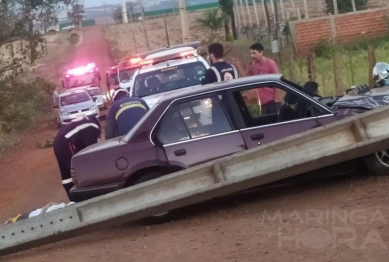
<point x="29" y="65"/>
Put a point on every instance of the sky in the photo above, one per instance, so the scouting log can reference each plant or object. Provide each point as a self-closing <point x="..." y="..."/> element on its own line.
<point x="90" y="3"/>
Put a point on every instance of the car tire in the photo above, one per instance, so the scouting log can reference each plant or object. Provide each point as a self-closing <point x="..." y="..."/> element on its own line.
<point x="378" y="163"/>
<point x="162" y="217"/>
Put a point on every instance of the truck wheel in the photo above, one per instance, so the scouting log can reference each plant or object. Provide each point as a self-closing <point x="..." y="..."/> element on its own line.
<point x="158" y="218"/>
<point x="378" y="163"/>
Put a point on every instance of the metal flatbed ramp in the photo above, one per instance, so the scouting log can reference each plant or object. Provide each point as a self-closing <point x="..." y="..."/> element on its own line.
<point x="344" y="140"/>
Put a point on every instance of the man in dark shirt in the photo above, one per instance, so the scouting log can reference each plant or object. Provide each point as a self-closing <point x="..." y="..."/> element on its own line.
<point x="124" y="113"/>
<point x="220" y="70"/>
<point x="80" y="133"/>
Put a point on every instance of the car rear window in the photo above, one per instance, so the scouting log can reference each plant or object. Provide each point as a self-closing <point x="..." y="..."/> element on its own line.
<point x="74" y="98"/>
<point x="94" y="92"/>
<point x="168" y="78"/>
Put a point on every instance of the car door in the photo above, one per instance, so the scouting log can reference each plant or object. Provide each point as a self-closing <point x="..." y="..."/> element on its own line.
<point x="292" y="113"/>
<point x="196" y="130"/>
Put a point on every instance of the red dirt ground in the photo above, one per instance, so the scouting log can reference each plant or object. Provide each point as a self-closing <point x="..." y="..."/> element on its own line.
<point x="228" y="229"/>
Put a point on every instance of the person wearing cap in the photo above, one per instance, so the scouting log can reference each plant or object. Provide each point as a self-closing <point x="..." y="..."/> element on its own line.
<point x="268" y="97"/>
<point x="124" y="113"/>
<point x="80" y="133"/>
<point x="220" y="70"/>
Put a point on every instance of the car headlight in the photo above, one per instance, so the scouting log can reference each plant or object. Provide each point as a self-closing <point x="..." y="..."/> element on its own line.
<point x="64" y="113"/>
<point x="208" y="103"/>
<point x="92" y="108"/>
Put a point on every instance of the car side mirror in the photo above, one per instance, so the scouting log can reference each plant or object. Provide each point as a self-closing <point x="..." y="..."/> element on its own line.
<point x="94" y="99"/>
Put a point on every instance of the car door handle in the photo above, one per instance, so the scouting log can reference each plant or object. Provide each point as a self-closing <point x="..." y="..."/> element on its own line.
<point x="257" y="136"/>
<point x="180" y="152"/>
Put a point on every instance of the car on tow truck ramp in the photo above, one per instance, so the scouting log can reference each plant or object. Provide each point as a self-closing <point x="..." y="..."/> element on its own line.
<point x="172" y="136"/>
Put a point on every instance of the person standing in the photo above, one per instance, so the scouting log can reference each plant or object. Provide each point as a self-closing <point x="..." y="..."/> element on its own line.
<point x="268" y="97"/>
<point x="124" y="113"/>
<point x="80" y="133"/>
<point x="220" y="70"/>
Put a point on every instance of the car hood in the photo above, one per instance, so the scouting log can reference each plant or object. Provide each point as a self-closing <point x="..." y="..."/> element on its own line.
<point x="100" y="146"/>
<point x="78" y="106"/>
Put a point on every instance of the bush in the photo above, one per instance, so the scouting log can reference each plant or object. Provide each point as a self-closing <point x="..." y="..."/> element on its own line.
<point x="20" y="100"/>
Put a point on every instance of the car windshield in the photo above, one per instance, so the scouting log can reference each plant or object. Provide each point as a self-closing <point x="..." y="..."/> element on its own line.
<point x="82" y="80"/>
<point x="74" y="98"/>
<point x="126" y="75"/>
<point x="94" y="92"/>
<point x="169" y="78"/>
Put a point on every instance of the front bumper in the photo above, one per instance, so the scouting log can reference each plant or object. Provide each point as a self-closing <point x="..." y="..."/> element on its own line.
<point x="82" y="194"/>
<point x="68" y="118"/>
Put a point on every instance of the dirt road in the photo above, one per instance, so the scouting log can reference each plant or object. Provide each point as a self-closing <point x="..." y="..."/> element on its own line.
<point x="94" y="48"/>
<point x="344" y="219"/>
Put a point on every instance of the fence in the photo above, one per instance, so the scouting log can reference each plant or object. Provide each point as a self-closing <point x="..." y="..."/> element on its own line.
<point x="343" y="28"/>
<point x="336" y="72"/>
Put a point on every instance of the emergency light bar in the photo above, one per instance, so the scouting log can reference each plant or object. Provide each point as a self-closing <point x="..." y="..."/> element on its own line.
<point x="158" y="57"/>
<point x="90" y="67"/>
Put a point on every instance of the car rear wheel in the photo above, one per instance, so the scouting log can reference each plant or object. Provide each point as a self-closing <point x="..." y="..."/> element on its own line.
<point x="378" y="163"/>
<point x="157" y="218"/>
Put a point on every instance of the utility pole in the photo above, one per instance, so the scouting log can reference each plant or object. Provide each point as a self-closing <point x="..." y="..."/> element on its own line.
<point x="184" y="22"/>
<point x="242" y="10"/>
<point x="306" y="9"/>
<point x="266" y="13"/>
<point x="124" y="13"/>
<point x="144" y="26"/>
<point x="335" y="7"/>
<point x="256" y="13"/>
<point x="167" y="34"/>
<point x="354" y="7"/>
<point x="248" y="12"/>
<point x="237" y="15"/>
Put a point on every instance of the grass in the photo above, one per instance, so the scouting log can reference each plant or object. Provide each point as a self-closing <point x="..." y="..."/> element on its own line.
<point x="356" y="74"/>
<point x="9" y="141"/>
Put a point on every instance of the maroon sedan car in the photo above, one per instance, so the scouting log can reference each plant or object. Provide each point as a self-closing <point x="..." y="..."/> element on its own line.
<point x="193" y="125"/>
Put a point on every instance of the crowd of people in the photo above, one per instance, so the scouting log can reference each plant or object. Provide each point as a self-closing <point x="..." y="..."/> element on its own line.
<point x="126" y="111"/>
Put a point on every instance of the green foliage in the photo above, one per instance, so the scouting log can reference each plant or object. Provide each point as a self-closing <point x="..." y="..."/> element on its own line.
<point x="76" y="14"/>
<point x="213" y="21"/>
<point x="19" y="100"/>
<point x="345" y="6"/>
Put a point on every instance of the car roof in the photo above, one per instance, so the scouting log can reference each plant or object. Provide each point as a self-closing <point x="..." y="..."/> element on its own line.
<point x="198" y="89"/>
<point x="174" y="62"/>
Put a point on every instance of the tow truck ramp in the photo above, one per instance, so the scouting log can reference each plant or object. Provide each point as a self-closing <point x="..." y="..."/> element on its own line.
<point x="344" y="140"/>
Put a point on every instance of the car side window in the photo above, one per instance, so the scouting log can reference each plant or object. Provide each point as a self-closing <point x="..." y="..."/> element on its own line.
<point x="194" y="119"/>
<point x="265" y="105"/>
<point x="172" y="129"/>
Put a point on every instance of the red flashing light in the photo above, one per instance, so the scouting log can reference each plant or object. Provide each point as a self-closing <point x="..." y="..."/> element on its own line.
<point x="146" y="62"/>
<point x="82" y="69"/>
<point x="187" y="53"/>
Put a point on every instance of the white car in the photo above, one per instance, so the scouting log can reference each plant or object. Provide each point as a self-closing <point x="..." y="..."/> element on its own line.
<point x="74" y="103"/>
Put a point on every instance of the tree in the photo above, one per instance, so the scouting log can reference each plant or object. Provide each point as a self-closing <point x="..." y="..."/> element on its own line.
<point x="17" y="19"/>
<point x="345" y="6"/>
<point x="117" y="14"/>
<point x="21" y="45"/>
<point x="76" y="14"/>
<point x="212" y="20"/>
<point x="227" y="7"/>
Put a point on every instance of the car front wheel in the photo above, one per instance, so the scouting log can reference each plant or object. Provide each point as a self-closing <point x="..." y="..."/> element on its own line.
<point x="378" y="163"/>
<point x="157" y="218"/>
